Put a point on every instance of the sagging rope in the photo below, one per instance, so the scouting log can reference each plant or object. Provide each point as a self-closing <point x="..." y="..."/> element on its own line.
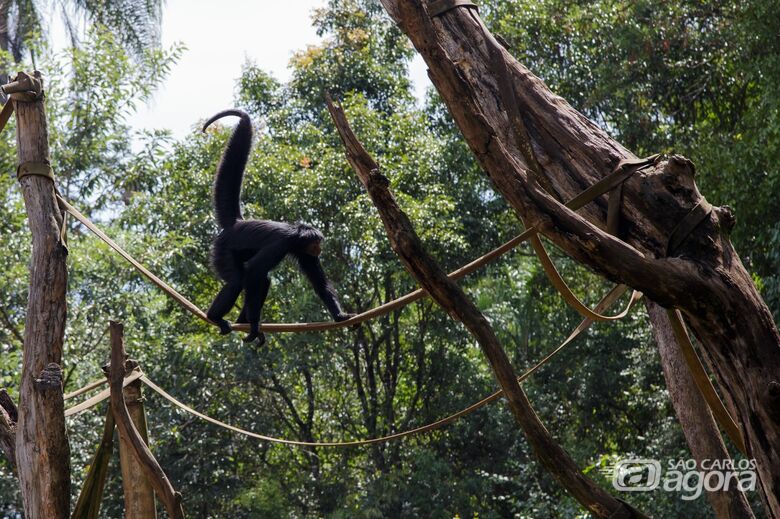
<point x="605" y="303"/>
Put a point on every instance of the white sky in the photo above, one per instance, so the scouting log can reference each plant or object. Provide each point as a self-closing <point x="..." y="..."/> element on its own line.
<point x="220" y="36"/>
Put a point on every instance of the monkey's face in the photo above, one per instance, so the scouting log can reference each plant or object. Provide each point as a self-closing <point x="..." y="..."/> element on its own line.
<point x="313" y="248"/>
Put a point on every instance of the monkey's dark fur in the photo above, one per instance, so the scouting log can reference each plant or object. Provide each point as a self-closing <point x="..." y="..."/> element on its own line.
<point x="245" y="251"/>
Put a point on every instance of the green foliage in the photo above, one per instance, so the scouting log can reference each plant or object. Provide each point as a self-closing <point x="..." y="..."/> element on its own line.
<point x="134" y="23"/>
<point x="657" y="75"/>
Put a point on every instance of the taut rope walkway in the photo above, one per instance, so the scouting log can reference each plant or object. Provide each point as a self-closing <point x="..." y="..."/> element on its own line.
<point x="362" y="317"/>
<point x="623" y="171"/>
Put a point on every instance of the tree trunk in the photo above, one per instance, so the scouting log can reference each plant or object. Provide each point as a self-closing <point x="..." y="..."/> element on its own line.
<point x="704" y="278"/>
<point x="698" y="425"/>
<point x="42" y="451"/>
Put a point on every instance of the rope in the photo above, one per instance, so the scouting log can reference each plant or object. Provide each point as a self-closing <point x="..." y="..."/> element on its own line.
<point x="605" y="303"/>
<point x="622" y="172"/>
<point x="103" y="395"/>
<point x="296" y="327"/>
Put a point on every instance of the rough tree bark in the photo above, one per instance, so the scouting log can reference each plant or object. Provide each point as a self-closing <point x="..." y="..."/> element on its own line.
<point x="704" y="278"/>
<point x="42" y="451"/>
<point x="698" y="425"/>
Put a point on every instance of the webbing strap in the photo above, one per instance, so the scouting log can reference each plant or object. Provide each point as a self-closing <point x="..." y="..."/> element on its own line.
<point x="613" y="210"/>
<point x="566" y="293"/>
<point x="103" y="395"/>
<point x="295" y="327"/>
<point x="678" y="235"/>
<point x="439" y="7"/>
<point x="623" y="170"/>
<point x="37" y="169"/>
<point x="686" y="226"/>
<point x="703" y="381"/>
<point x="143" y="270"/>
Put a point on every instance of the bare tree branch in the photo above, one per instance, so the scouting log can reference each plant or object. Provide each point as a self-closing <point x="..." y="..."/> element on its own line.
<point x="451" y="298"/>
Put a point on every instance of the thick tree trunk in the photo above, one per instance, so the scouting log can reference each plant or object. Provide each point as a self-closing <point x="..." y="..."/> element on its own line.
<point x="698" y="425"/>
<point x="705" y="278"/>
<point x="42" y="452"/>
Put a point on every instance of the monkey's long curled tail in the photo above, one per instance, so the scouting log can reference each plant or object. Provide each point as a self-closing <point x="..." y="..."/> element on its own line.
<point x="230" y="171"/>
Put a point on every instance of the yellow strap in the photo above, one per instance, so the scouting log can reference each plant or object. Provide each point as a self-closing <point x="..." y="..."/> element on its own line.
<point x="703" y="381"/>
<point x="612" y="182"/>
<point x="563" y="289"/>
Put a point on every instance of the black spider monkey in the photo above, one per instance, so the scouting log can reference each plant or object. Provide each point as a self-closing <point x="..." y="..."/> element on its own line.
<point x="245" y="251"/>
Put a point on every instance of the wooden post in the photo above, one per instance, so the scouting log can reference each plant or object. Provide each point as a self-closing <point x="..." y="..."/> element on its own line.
<point x="139" y="494"/>
<point x="42" y="451"/>
<point x="128" y="432"/>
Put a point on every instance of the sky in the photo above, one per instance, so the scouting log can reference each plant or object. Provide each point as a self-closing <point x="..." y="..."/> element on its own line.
<point x="220" y="37"/>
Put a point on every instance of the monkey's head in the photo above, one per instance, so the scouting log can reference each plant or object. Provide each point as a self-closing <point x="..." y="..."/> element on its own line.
<point x="314" y="248"/>
<point x="310" y="239"/>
